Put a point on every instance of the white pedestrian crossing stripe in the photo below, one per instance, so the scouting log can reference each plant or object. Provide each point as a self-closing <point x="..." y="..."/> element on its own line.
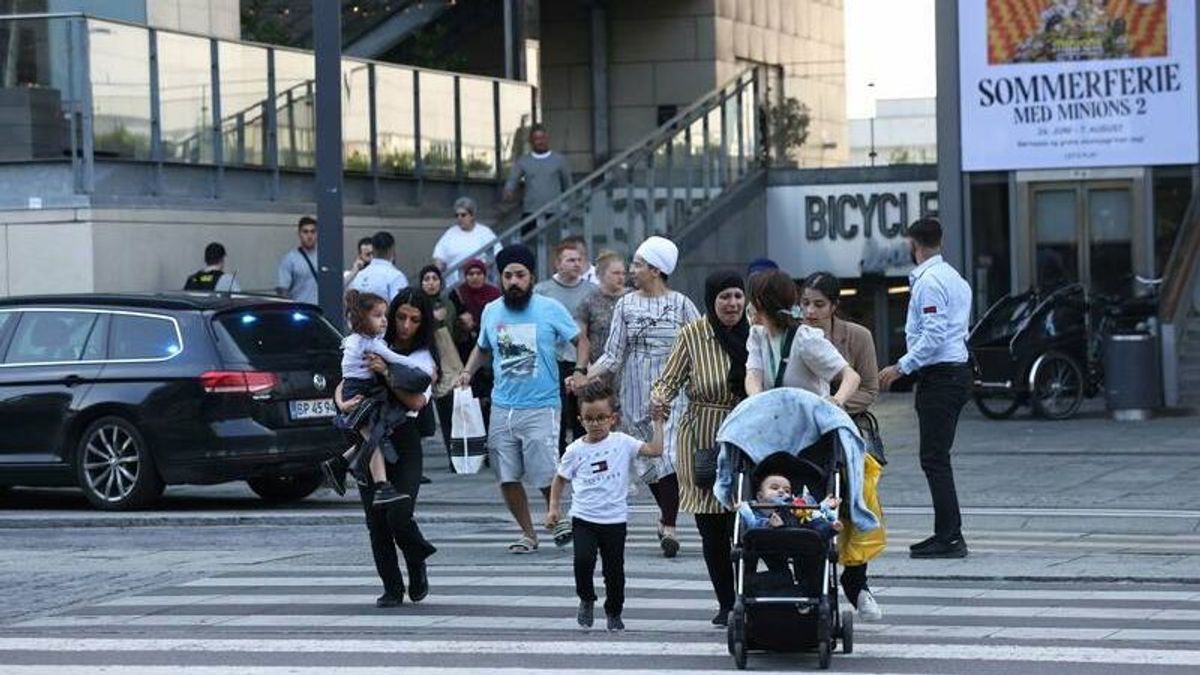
<point x="497" y="619"/>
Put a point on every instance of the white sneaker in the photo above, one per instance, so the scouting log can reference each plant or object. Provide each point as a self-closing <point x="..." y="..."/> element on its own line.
<point x="868" y="609"/>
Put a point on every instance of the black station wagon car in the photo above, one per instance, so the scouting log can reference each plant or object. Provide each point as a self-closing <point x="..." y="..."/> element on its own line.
<point x="124" y="394"/>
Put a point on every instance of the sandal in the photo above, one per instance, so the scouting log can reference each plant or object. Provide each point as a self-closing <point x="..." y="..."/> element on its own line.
<point x="562" y="533"/>
<point x="525" y="544"/>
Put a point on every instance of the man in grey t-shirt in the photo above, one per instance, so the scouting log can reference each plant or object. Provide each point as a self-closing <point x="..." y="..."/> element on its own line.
<point x="544" y="173"/>
<point x="568" y="287"/>
<point x="298" y="269"/>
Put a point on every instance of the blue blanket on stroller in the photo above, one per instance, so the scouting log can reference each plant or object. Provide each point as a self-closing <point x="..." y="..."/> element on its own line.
<point x="788" y="419"/>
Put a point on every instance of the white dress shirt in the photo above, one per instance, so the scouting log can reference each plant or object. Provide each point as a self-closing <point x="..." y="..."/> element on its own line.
<point x="381" y="278"/>
<point x="939" y="316"/>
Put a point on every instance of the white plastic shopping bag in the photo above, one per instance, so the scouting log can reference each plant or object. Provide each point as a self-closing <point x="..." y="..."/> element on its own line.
<point x="468" y="436"/>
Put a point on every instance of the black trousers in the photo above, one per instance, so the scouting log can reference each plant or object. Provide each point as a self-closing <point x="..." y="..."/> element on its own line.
<point x="854" y="581"/>
<point x="570" y="427"/>
<point x="942" y="391"/>
<point x="609" y="540"/>
<point x="445" y="412"/>
<point x="392" y="526"/>
<point x="716" y="537"/>
<point x="666" y="495"/>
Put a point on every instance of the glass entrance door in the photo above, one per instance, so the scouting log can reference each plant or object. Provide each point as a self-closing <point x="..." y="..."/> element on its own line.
<point x="1083" y="232"/>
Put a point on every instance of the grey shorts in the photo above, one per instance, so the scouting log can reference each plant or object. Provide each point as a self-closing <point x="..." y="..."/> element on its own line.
<point x="523" y="445"/>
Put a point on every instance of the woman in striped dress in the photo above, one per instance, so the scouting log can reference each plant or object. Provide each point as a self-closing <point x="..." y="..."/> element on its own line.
<point x="709" y="363"/>
<point x="644" y="326"/>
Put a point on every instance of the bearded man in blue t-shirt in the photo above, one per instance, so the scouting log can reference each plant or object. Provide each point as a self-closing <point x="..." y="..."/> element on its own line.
<point x="520" y="334"/>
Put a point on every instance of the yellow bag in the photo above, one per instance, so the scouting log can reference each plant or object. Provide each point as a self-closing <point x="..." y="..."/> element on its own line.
<point x="854" y="546"/>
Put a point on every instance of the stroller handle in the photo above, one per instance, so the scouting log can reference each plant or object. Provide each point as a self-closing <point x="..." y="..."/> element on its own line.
<point x="790" y="507"/>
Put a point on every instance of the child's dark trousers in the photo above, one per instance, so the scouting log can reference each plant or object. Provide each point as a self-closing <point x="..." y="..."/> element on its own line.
<point x="609" y="541"/>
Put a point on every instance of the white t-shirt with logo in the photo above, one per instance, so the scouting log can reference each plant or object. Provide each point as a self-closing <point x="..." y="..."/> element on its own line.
<point x="599" y="475"/>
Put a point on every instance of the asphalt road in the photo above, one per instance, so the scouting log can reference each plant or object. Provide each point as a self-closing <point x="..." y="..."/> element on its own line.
<point x="1085" y="559"/>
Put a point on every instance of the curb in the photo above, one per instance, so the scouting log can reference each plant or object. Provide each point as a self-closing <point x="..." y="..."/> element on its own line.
<point x="231" y="520"/>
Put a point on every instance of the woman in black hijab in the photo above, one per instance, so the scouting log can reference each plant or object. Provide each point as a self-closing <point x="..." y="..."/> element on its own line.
<point x="709" y="362"/>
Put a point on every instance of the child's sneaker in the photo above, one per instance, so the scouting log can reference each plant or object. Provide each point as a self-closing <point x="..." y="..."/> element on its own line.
<point x="562" y="533"/>
<point x="585" y="613"/>
<point x="615" y="623"/>
<point x="385" y="494"/>
<point x="334" y="471"/>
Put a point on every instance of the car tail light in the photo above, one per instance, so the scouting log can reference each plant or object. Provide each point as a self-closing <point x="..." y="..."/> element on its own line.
<point x="238" y="382"/>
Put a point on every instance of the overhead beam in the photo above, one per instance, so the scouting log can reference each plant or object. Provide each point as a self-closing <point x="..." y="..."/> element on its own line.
<point x="385" y="35"/>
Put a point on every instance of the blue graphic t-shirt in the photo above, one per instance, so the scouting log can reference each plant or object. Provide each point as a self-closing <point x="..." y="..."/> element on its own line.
<point x="524" y="347"/>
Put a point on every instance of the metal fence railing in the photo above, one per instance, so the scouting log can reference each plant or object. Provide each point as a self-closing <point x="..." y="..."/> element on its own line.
<point x="660" y="183"/>
<point x="83" y="88"/>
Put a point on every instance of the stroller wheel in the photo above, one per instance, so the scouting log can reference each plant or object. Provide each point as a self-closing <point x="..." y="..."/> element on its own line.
<point x="739" y="654"/>
<point x="824" y="654"/>
<point x="847" y="632"/>
<point x="736" y="630"/>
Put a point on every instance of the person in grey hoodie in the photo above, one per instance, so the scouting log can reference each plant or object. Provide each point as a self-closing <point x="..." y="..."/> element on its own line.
<point x="570" y="288"/>
<point x="544" y="173"/>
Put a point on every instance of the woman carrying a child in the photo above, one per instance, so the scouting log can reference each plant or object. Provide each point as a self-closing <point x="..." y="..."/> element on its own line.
<point x="709" y="362"/>
<point x="409" y="333"/>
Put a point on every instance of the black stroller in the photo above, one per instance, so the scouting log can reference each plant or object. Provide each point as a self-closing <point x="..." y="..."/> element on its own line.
<point x="793" y="604"/>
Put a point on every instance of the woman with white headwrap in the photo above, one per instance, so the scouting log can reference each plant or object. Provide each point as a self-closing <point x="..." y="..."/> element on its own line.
<point x="644" y="326"/>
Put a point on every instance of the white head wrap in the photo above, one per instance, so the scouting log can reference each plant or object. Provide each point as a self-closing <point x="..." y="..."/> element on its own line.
<point x="660" y="253"/>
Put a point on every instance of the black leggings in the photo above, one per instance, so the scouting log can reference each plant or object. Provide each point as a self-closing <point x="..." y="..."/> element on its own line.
<point x="609" y="541"/>
<point x="392" y="526"/>
<point x="854" y="581"/>
<point x="666" y="495"/>
<point x="716" y="536"/>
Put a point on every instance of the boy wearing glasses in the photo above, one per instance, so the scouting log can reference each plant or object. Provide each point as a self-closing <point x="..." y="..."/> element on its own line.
<point x="599" y="467"/>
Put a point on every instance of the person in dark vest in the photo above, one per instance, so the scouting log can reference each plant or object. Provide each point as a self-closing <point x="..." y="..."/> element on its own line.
<point x="213" y="277"/>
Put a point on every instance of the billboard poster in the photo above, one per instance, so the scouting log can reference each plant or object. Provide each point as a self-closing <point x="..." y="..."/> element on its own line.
<point x="1047" y="84"/>
<point x="847" y="229"/>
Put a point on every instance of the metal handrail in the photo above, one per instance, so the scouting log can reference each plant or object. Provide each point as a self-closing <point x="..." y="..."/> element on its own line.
<point x="552" y="212"/>
<point x="1180" y="272"/>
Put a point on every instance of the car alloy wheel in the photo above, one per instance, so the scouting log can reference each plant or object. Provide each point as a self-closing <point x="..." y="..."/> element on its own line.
<point x="114" y="465"/>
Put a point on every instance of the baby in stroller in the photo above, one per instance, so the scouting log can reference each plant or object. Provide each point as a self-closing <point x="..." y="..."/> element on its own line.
<point x="805" y="510"/>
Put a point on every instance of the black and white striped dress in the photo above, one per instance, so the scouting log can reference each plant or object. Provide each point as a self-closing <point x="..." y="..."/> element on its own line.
<point x="643" y="332"/>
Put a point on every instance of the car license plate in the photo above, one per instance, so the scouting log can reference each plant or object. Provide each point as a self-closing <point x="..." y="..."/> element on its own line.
<point x="312" y="409"/>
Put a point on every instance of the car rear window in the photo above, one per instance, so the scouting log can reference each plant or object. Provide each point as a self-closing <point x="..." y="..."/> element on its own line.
<point x="255" y="335"/>
<point x="143" y="337"/>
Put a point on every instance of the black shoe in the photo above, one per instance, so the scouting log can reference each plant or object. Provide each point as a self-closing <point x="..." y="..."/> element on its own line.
<point x="615" y="623"/>
<point x="924" y="543"/>
<point x="390" y="599"/>
<point x="425" y="480"/>
<point x="955" y="548"/>
<point x="334" y="472"/>
<point x="385" y="494"/>
<point x="722" y="618"/>
<point x="418" y="582"/>
<point x="585" y="614"/>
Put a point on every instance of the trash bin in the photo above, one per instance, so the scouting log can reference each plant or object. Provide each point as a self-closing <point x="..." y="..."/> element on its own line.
<point x="1132" y="376"/>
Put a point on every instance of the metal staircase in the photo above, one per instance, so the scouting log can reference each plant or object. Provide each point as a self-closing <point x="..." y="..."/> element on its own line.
<point x="662" y="183"/>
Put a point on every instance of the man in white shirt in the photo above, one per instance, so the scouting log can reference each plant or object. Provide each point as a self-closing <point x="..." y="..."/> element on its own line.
<point x="381" y="276"/>
<point x="463" y="239"/>
<point x="939" y="314"/>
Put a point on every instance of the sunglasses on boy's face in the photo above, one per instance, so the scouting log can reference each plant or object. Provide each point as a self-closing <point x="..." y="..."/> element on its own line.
<point x="596" y="419"/>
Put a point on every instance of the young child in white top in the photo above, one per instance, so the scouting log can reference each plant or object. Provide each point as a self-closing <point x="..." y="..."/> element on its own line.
<point x="599" y="468"/>
<point x="367" y="314"/>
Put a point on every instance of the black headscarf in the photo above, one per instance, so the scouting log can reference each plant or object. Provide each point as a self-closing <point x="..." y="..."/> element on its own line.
<point x="732" y="339"/>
